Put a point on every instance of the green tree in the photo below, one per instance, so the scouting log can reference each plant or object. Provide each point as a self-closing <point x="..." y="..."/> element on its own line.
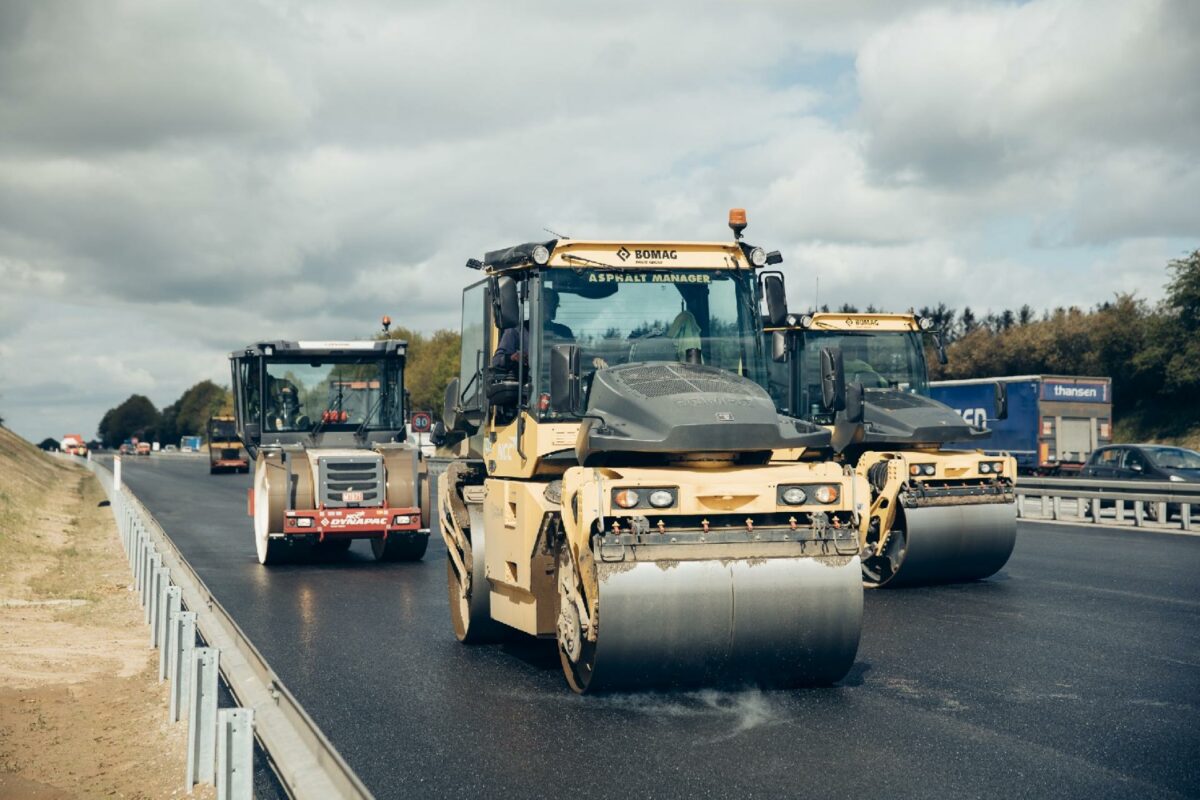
<point x="136" y="416"/>
<point x="430" y="363"/>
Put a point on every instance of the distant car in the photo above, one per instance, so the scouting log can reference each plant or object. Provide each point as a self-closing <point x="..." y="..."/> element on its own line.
<point x="170" y="448"/>
<point x="1145" y="462"/>
<point x="125" y="449"/>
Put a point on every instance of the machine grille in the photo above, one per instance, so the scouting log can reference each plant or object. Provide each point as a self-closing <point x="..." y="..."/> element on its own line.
<point x="341" y="474"/>
<point x="664" y="380"/>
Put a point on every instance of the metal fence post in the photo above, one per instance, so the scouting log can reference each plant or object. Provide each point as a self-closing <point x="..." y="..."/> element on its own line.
<point x="162" y="580"/>
<point x="151" y="589"/>
<point x="202" y="716"/>
<point x="182" y="643"/>
<point x="235" y="754"/>
<point x="144" y="568"/>
<point x="171" y="603"/>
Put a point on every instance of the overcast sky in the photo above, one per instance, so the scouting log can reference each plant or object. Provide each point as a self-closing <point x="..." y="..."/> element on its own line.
<point x="180" y="178"/>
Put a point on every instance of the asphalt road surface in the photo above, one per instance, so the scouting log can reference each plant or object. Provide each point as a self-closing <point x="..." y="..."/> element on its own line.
<point x="1075" y="672"/>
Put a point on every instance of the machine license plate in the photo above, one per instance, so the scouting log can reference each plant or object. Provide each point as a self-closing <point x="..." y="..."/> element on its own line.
<point x="352" y="497"/>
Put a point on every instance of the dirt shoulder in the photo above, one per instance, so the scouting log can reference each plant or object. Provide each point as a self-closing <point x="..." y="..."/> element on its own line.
<point x="82" y="713"/>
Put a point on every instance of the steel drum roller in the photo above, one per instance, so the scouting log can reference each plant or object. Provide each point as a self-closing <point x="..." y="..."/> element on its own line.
<point x="955" y="543"/>
<point x="770" y="621"/>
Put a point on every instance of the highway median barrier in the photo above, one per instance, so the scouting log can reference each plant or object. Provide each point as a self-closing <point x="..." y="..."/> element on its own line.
<point x="1150" y="505"/>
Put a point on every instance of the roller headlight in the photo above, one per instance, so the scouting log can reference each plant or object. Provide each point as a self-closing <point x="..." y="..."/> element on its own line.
<point x="922" y="469"/>
<point x="758" y="257"/>
<point x="826" y="494"/>
<point x="806" y="321"/>
<point x="925" y="323"/>
<point x="985" y="467"/>
<point x="793" y="496"/>
<point x="540" y="255"/>
<point x="304" y="522"/>
<point x="626" y="498"/>
<point x="662" y="498"/>
<point x="402" y="519"/>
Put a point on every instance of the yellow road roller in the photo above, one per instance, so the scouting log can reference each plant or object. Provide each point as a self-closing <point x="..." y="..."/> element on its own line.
<point x="611" y="486"/>
<point x="936" y="516"/>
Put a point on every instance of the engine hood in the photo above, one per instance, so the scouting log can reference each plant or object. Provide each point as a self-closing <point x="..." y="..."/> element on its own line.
<point x="672" y="408"/>
<point x="892" y="417"/>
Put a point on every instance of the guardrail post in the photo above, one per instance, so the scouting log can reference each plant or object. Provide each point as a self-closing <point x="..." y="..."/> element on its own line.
<point x="1120" y="510"/>
<point x="117" y="472"/>
<point x="171" y="603"/>
<point x="1045" y="511"/>
<point x="1020" y="510"/>
<point x="1139" y="512"/>
<point x="1185" y="516"/>
<point x="202" y="715"/>
<point x="235" y="754"/>
<point x="149" y="587"/>
<point x="1163" y="514"/>
<point x="156" y="582"/>
<point x="182" y="642"/>
<point x="1056" y="506"/>
<point x="162" y="582"/>
<point x="1080" y="508"/>
<point x="143" y="570"/>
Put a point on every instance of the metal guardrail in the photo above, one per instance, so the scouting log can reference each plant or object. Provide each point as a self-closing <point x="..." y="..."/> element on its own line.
<point x="305" y="761"/>
<point x="1143" y="504"/>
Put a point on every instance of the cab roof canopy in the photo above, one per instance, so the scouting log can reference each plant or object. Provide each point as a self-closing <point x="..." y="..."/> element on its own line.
<point x="629" y="254"/>
<point x="324" y="349"/>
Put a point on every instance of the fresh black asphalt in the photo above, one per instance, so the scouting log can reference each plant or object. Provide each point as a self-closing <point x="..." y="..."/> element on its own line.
<point x="1075" y="672"/>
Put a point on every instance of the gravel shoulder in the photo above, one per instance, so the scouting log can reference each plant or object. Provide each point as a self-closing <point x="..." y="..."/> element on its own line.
<point x="82" y="713"/>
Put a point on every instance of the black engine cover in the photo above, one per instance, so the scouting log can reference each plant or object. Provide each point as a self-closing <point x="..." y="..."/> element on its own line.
<point x="672" y="408"/>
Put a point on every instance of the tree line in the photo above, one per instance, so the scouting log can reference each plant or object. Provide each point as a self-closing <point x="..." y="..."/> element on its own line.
<point x="137" y="417"/>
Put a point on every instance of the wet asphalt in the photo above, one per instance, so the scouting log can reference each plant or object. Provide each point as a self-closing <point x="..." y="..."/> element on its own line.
<point x="1074" y="672"/>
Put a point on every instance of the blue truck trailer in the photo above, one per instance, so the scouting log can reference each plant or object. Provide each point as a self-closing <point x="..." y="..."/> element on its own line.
<point x="1054" y="421"/>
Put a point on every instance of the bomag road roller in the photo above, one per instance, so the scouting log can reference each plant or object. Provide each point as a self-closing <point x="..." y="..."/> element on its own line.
<point x="325" y="425"/>
<point x="225" y="452"/>
<point x="611" y="486"/>
<point x="936" y="516"/>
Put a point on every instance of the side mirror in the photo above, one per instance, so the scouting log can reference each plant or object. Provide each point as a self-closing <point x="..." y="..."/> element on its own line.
<point x="564" y="378"/>
<point x="437" y="436"/>
<point x="779" y="347"/>
<point x="1001" y="410"/>
<point x="506" y="306"/>
<point x="252" y="432"/>
<point x="776" y="298"/>
<point x="854" y="402"/>
<point x="450" y="406"/>
<point x="1136" y="466"/>
<point x="939" y="341"/>
<point x="833" y="379"/>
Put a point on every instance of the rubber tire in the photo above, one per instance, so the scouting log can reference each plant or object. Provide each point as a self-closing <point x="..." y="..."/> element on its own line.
<point x="400" y="548"/>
